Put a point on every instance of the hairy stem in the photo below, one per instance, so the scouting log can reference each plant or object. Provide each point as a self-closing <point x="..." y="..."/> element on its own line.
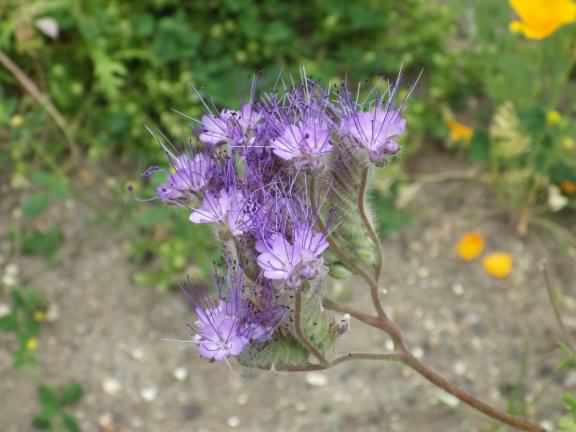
<point x="374" y="288"/>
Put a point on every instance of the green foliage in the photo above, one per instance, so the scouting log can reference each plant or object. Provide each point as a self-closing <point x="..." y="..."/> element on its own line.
<point x="166" y="247"/>
<point x="518" y="93"/>
<point x="24" y="320"/>
<point x="118" y="66"/>
<point x="40" y="239"/>
<point x="53" y="404"/>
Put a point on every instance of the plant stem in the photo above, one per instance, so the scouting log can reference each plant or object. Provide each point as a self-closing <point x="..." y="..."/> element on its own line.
<point x="29" y="85"/>
<point x="404" y="356"/>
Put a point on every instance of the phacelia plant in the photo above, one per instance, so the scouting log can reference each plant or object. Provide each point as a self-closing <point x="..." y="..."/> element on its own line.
<point x="283" y="181"/>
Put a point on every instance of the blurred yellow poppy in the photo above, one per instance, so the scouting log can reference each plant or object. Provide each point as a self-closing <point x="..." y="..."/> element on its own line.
<point x="538" y="19"/>
<point x="470" y="246"/>
<point x="568" y="187"/>
<point x="498" y="264"/>
<point x="459" y="131"/>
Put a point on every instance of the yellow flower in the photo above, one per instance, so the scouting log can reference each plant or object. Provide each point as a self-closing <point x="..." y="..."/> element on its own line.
<point x="39" y="316"/>
<point x="498" y="264"/>
<point x="553" y="118"/>
<point x="568" y="143"/>
<point x="32" y="344"/>
<point x="568" y="187"/>
<point x="459" y="131"/>
<point x="16" y="121"/>
<point x="538" y="19"/>
<point x="470" y="246"/>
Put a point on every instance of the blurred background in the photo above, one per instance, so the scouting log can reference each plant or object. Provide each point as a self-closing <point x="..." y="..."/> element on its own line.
<point x="482" y="195"/>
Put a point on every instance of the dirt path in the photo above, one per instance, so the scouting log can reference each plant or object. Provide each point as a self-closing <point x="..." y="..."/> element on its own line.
<point x="481" y="333"/>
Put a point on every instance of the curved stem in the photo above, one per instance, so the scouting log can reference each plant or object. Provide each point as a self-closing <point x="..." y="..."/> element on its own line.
<point x="368" y="224"/>
<point x="404" y="356"/>
<point x="439" y="381"/>
<point x="373" y="283"/>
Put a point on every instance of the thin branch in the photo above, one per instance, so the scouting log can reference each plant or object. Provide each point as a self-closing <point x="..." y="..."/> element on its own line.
<point x="28" y="84"/>
<point x="467" y="398"/>
<point x="555" y="303"/>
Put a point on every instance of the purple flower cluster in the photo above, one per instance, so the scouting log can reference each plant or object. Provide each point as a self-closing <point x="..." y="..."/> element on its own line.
<point x="249" y="175"/>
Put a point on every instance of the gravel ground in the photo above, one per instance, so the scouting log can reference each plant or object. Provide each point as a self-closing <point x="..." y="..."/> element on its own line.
<point x="483" y="334"/>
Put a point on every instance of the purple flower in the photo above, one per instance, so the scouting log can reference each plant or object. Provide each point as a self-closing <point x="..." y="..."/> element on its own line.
<point x="218" y="335"/>
<point x="376" y="131"/>
<point x="294" y="261"/>
<point x="233" y="127"/>
<point x="305" y="143"/>
<point x="190" y="175"/>
<point x="224" y="328"/>
<point x="229" y="206"/>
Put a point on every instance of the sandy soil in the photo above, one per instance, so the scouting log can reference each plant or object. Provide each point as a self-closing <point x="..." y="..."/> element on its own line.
<point x="483" y="334"/>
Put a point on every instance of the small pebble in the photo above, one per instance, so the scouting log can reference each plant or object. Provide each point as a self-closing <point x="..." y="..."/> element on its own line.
<point x="53" y="312"/>
<point x="242" y="399"/>
<point x="106" y="422"/>
<point x="316" y="379"/>
<point x="460" y="368"/>
<point x="137" y="354"/>
<point x="418" y="352"/>
<point x="233" y="421"/>
<point x="570" y="380"/>
<point x="4" y="310"/>
<point x="300" y="407"/>
<point x="458" y="289"/>
<point x="12" y="269"/>
<point x="180" y="373"/>
<point x="149" y="393"/>
<point x="423" y="273"/>
<point x="111" y="386"/>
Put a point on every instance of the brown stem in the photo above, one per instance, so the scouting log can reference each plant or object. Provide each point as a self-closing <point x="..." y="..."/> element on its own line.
<point x="409" y="360"/>
<point x="467" y="398"/>
<point x="43" y="100"/>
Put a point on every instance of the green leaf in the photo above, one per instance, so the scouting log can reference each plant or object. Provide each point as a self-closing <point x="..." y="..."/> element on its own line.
<point x="48" y="398"/>
<point x="35" y="204"/>
<point x="42" y="421"/>
<point x="480" y="146"/>
<point x="71" y="393"/>
<point x="70" y="423"/>
<point x="9" y="323"/>
<point x="42" y="243"/>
